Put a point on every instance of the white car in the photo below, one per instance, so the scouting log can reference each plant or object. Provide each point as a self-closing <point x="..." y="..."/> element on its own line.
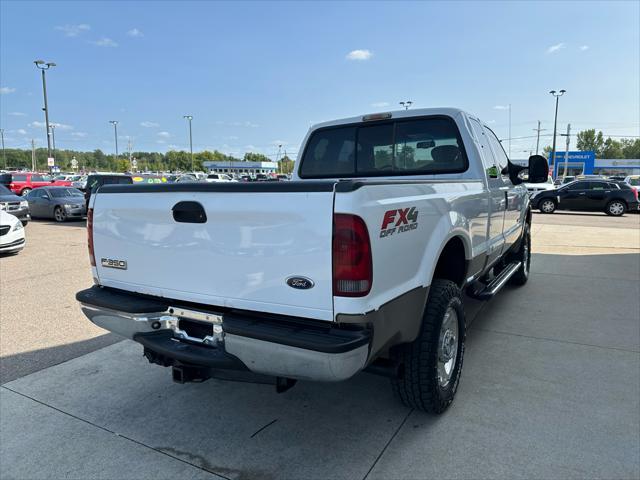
<point x="219" y="177"/>
<point x="11" y="233"/>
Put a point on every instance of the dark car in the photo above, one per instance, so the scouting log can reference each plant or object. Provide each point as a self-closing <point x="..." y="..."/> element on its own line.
<point x="59" y="203"/>
<point x="15" y="205"/>
<point x="613" y="198"/>
<point x="95" y="181"/>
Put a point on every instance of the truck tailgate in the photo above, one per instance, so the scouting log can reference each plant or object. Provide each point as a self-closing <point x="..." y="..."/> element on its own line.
<point x="241" y="257"/>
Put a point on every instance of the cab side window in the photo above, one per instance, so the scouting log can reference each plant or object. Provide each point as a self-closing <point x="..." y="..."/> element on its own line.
<point x="578" y="186"/>
<point x="499" y="153"/>
<point x="487" y="155"/>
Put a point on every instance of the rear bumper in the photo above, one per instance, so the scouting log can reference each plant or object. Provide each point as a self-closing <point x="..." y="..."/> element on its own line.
<point x="261" y="343"/>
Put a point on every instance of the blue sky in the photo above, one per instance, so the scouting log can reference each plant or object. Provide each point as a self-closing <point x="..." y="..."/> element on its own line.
<point x="257" y="74"/>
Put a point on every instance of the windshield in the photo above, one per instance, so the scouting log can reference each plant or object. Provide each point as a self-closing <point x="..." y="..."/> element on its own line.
<point x="634" y="181"/>
<point x="65" y="192"/>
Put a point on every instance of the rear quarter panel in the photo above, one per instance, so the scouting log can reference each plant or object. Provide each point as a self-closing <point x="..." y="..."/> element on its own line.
<point x="404" y="260"/>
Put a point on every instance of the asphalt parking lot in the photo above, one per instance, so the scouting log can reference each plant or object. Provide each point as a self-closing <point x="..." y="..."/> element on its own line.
<point x="550" y="386"/>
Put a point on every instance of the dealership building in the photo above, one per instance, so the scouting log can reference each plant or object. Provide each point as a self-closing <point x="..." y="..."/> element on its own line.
<point x="241" y="167"/>
<point x="586" y="163"/>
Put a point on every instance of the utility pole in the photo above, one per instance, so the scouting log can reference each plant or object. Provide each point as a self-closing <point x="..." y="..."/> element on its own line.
<point x="4" y="155"/>
<point x="566" y="155"/>
<point x="555" y="124"/>
<point x="53" y="138"/>
<point x="538" y="130"/>
<point x="43" y="67"/>
<point x="129" y="150"/>
<point x="34" y="167"/>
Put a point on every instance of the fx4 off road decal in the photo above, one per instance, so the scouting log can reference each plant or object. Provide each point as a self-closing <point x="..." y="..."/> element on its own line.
<point x="399" y="221"/>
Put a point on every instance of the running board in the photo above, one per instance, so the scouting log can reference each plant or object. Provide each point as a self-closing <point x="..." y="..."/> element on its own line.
<point x="480" y="291"/>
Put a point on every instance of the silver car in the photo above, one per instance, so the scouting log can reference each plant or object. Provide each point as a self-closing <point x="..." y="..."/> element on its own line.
<point x="59" y="203"/>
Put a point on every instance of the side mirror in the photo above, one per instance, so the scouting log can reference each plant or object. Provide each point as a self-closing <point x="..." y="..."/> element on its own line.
<point x="538" y="169"/>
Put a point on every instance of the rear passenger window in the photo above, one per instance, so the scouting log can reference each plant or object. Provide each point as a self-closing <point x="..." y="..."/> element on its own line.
<point x="410" y="147"/>
<point x="19" y="178"/>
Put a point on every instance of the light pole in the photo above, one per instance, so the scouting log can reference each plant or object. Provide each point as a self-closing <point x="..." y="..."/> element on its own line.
<point x="189" y="118"/>
<point x="44" y="66"/>
<point x="53" y="138"/>
<point x="4" y="155"/>
<point x="115" y="133"/>
<point x="406" y="104"/>
<point x="555" y="125"/>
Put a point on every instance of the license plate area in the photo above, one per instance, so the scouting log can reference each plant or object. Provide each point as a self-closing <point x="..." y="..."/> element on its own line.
<point x="194" y="326"/>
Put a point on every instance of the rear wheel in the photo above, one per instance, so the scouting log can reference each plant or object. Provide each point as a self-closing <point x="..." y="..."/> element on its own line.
<point x="547" y="205"/>
<point x="25" y="191"/>
<point x="432" y="363"/>
<point x="59" y="214"/>
<point x="616" y="208"/>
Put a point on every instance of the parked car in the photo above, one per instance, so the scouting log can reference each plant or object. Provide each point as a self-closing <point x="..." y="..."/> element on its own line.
<point x="533" y="188"/>
<point x="23" y="183"/>
<point x="96" y="180"/>
<point x="186" y="178"/>
<point x="58" y="203"/>
<point x="358" y="263"/>
<point x="589" y="196"/>
<point x="218" y="177"/>
<point x="12" y="238"/>
<point x="565" y="180"/>
<point x="15" y="205"/>
<point x="5" y="179"/>
<point x="633" y="180"/>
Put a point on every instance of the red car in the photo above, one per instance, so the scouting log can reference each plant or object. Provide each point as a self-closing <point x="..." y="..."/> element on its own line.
<point x="23" y="183"/>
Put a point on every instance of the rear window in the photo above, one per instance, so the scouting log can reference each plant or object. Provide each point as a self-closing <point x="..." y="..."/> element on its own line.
<point x="19" y="178"/>
<point x="406" y="147"/>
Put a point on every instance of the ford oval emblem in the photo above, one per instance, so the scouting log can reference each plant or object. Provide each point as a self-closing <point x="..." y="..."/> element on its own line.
<point x="301" y="283"/>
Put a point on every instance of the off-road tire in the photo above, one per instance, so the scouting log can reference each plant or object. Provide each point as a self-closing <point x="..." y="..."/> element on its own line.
<point x="615" y="208"/>
<point x="523" y="254"/>
<point x="418" y="386"/>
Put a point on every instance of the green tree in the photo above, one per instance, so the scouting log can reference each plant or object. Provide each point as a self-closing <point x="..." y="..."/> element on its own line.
<point x="285" y="165"/>
<point x="589" y="140"/>
<point x="630" y="148"/>
<point x="611" y="149"/>
<point x="255" y="157"/>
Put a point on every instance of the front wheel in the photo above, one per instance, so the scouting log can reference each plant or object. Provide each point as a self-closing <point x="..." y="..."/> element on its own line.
<point x="616" y="208"/>
<point x="432" y="363"/>
<point x="59" y="214"/>
<point x="547" y="205"/>
<point x="25" y="192"/>
<point x="523" y="255"/>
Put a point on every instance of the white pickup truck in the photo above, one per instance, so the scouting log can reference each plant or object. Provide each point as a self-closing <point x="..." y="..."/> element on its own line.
<point x="359" y="263"/>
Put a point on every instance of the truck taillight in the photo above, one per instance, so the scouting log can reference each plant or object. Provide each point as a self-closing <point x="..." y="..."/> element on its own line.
<point x="92" y="257"/>
<point x="352" y="265"/>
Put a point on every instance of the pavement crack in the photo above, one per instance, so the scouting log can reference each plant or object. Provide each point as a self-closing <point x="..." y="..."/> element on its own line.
<point x="264" y="427"/>
<point x="384" y="449"/>
<point x="195" y="465"/>
<point x="557" y="340"/>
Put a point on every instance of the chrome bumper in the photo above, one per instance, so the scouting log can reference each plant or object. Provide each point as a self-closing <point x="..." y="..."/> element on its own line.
<point x="259" y="356"/>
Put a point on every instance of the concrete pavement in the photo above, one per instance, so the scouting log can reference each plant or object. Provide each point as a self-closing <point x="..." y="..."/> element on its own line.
<point x="550" y="389"/>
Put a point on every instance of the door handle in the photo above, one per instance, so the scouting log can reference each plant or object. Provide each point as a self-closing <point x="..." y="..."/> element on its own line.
<point x="189" y="212"/>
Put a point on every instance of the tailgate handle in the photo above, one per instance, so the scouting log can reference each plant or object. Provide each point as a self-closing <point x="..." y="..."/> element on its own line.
<point x="189" y="212"/>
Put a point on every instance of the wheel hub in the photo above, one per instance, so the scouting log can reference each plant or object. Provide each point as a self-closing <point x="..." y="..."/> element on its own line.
<point x="447" y="346"/>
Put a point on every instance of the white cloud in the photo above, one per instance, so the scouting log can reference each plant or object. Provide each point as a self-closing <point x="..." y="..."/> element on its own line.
<point x="359" y="55"/>
<point x="21" y="131"/>
<point x="17" y="114"/>
<point x="501" y="107"/>
<point x="6" y="90"/>
<point x="555" y="48"/>
<point x="134" y="32"/>
<point x="161" y="142"/>
<point x="60" y="126"/>
<point x="164" y="134"/>
<point x="147" y="124"/>
<point x="584" y="47"/>
<point x="380" y="104"/>
<point x="73" y="30"/>
<point x="105" y="42"/>
<point x="78" y="134"/>
<point x="238" y="124"/>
